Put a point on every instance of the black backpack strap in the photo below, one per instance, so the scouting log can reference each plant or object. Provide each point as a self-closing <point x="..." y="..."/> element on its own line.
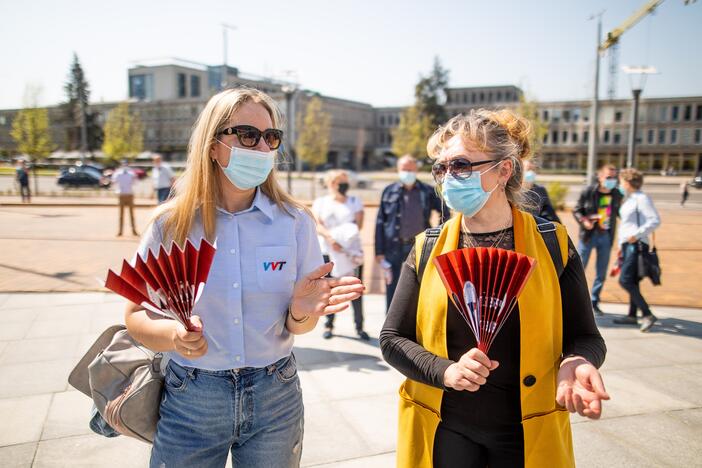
<point x="547" y="229"/>
<point x="430" y="237"/>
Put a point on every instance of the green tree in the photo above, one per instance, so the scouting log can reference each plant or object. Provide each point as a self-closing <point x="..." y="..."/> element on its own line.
<point x="76" y="113"/>
<point x="412" y="133"/>
<point x="30" y="130"/>
<point x="430" y="93"/>
<point x="124" y="134"/>
<point x="529" y="110"/>
<point x="312" y="145"/>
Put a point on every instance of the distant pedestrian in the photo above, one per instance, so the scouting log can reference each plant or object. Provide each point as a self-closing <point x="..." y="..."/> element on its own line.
<point x="405" y="210"/>
<point x="596" y="212"/>
<point x="639" y="220"/>
<point x="22" y="177"/>
<point x="539" y="203"/>
<point x="339" y="219"/>
<point x="684" y="193"/>
<point x="163" y="178"/>
<point x="124" y="179"/>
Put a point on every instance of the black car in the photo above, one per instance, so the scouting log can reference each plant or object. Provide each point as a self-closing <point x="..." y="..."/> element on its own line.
<point x="696" y="182"/>
<point x="82" y="176"/>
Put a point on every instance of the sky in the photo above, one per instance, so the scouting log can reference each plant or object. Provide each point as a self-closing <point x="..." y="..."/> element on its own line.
<point x="363" y="50"/>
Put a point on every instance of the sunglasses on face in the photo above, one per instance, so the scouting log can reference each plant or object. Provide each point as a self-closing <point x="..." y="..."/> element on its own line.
<point x="249" y="136"/>
<point x="460" y="168"/>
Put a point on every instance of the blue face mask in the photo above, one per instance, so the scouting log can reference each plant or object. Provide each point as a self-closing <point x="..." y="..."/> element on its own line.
<point x="247" y="168"/>
<point x="610" y="184"/>
<point x="407" y="177"/>
<point x="621" y="190"/>
<point x="530" y="177"/>
<point x="466" y="195"/>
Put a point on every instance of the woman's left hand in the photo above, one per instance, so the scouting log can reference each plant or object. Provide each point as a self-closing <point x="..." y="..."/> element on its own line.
<point x="314" y="295"/>
<point x="580" y="388"/>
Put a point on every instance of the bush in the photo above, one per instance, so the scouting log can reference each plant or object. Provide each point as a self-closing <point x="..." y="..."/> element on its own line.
<point x="557" y="193"/>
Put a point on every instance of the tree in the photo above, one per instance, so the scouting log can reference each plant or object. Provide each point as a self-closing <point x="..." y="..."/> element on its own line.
<point x="412" y="133"/>
<point x="76" y="115"/>
<point x="530" y="111"/>
<point x="30" y="130"/>
<point x="124" y="134"/>
<point x="430" y="93"/>
<point x="313" y="142"/>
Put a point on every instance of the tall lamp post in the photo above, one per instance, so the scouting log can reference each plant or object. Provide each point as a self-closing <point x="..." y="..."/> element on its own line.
<point x="225" y="43"/>
<point x="289" y="91"/>
<point x="636" y="90"/>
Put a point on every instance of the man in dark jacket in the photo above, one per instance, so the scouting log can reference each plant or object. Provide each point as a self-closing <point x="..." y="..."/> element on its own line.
<point x="596" y="212"/>
<point x="539" y="203"/>
<point x="405" y="209"/>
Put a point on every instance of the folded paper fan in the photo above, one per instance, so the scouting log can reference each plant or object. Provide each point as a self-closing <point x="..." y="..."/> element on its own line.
<point x="484" y="285"/>
<point x="169" y="283"/>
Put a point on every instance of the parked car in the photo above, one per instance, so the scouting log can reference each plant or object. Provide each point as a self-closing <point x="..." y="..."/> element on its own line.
<point x="696" y="182"/>
<point x="82" y="176"/>
<point x="356" y="180"/>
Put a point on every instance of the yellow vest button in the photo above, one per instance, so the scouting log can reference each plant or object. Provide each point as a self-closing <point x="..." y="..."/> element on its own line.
<point x="529" y="380"/>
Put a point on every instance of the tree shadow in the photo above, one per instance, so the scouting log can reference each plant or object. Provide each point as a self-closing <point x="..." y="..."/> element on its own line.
<point x="322" y="358"/>
<point x="668" y="326"/>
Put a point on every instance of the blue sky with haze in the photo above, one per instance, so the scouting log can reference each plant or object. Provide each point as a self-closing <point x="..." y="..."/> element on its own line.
<point x="369" y="51"/>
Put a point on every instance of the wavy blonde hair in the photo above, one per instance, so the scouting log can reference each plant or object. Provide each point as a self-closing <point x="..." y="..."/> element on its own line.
<point x="502" y="135"/>
<point x="199" y="187"/>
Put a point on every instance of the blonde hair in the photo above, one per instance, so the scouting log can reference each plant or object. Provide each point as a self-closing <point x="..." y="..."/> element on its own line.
<point x="501" y="134"/>
<point x="334" y="174"/>
<point x="633" y="176"/>
<point x="200" y="185"/>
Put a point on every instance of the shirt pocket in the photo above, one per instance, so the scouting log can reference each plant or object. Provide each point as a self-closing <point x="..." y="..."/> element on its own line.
<point x="276" y="268"/>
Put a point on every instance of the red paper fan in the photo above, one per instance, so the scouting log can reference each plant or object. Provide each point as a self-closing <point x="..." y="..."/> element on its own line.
<point x="169" y="284"/>
<point x="484" y="285"/>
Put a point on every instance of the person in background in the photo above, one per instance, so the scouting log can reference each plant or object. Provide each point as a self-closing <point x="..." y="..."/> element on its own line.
<point x="684" y="193"/>
<point x="639" y="219"/>
<point x="22" y="177"/>
<point x="163" y="178"/>
<point x="339" y="220"/>
<point x="596" y="212"/>
<point x="405" y="210"/>
<point x="123" y="179"/>
<point x="537" y="200"/>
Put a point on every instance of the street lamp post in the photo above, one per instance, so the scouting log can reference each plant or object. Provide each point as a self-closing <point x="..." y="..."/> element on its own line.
<point x="225" y="42"/>
<point x="289" y="91"/>
<point x="594" y="109"/>
<point x="636" y="90"/>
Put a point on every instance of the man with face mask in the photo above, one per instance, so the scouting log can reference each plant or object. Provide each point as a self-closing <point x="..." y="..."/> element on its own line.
<point x="596" y="212"/>
<point x="405" y="209"/>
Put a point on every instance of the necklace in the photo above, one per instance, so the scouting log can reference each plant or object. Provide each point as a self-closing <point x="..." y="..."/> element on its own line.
<point x="503" y="232"/>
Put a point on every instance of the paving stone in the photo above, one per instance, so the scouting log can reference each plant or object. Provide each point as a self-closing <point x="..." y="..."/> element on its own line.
<point x="23" y="418"/>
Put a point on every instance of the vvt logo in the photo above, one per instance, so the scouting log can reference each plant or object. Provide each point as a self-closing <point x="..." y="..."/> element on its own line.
<point x="273" y="266"/>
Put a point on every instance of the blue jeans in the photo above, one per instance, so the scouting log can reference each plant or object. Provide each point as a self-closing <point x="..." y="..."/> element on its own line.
<point x="602" y="243"/>
<point x="162" y="194"/>
<point x="256" y="413"/>
<point x="629" y="280"/>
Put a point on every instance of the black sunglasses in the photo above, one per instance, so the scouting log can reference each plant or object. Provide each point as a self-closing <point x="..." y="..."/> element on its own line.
<point x="460" y="168"/>
<point x="249" y="136"/>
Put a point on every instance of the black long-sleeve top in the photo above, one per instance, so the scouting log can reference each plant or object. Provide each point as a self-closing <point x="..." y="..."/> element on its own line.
<point x="497" y="403"/>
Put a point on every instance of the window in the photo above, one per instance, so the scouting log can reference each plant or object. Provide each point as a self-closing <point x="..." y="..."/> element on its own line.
<point x="663" y="113"/>
<point x="575" y="137"/>
<point x="141" y="87"/>
<point x="586" y="136"/>
<point x="465" y="98"/>
<point x="449" y="97"/>
<point x="617" y="138"/>
<point x="482" y="97"/>
<point x="545" y="116"/>
<point x="508" y="95"/>
<point x="499" y="96"/>
<point x="606" y="136"/>
<point x="473" y="97"/>
<point x="688" y="113"/>
<point x="674" y="113"/>
<point x="673" y="136"/>
<point x="566" y="116"/>
<point x="661" y="137"/>
<point x="194" y="86"/>
<point x="546" y="138"/>
<point x="698" y="136"/>
<point x="382" y="120"/>
<point x="181" y="85"/>
<point x="698" y="113"/>
<point x="565" y="136"/>
<point x="490" y="96"/>
<point x="618" y="116"/>
<point x="650" y="137"/>
<point x="554" y="137"/>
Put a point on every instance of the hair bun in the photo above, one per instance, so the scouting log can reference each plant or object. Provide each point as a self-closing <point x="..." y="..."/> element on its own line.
<point x="518" y="128"/>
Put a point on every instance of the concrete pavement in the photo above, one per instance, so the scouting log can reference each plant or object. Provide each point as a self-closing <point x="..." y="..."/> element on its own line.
<point x="350" y="394"/>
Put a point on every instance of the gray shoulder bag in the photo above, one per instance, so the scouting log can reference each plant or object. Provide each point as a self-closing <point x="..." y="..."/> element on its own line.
<point x="125" y="382"/>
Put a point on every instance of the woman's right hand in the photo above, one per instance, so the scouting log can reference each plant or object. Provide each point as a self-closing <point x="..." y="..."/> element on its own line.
<point x="470" y="372"/>
<point x="189" y="344"/>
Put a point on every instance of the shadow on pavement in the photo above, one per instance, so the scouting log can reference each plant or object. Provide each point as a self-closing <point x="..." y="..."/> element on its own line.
<point x="669" y="326"/>
<point x="355" y="362"/>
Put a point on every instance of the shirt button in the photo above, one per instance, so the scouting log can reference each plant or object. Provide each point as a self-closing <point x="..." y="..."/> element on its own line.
<point x="236" y="321"/>
<point x="237" y="358"/>
<point x="236" y="285"/>
<point x="232" y="251"/>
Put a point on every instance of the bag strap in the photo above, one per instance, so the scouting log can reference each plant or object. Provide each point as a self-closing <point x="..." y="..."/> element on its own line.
<point x="430" y="237"/>
<point x="547" y="229"/>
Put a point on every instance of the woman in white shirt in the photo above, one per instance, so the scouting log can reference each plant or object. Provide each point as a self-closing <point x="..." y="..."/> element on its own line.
<point x="339" y="221"/>
<point x="232" y="385"/>
<point x="639" y="219"/>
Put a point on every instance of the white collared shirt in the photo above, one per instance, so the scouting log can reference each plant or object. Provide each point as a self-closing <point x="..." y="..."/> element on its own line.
<point x="639" y="218"/>
<point x="161" y="176"/>
<point x="124" y="179"/>
<point x="261" y="252"/>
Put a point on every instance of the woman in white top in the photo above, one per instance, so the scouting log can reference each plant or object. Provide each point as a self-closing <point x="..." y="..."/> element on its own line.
<point x="639" y="219"/>
<point x="232" y="386"/>
<point x="339" y="221"/>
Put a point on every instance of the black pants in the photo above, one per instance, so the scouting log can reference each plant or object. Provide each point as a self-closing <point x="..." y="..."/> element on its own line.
<point x="467" y="447"/>
<point x="25" y="192"/>
<point x="396" y="268"/>
<point x="629" y="280"/>
<point x="357" y="304"/>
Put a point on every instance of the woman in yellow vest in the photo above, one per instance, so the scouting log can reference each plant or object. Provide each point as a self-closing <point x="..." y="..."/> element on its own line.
<point x="459" y="407"/>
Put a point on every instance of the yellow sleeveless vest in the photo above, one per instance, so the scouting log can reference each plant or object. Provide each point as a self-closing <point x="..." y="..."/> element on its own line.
<point x="547" y="435"/>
